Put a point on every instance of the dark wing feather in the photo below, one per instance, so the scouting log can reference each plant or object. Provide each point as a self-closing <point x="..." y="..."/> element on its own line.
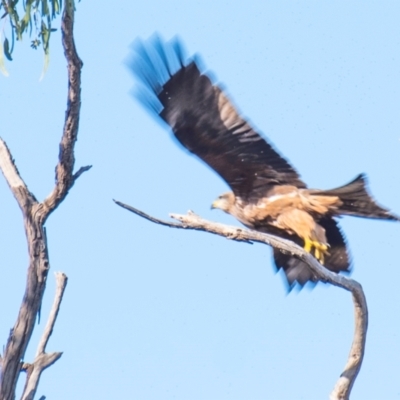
<point x="206" y="123"/>
<point x="298" y="271"/>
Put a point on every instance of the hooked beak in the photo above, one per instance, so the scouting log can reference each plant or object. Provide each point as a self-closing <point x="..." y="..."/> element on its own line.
<point x="214" y="205"/>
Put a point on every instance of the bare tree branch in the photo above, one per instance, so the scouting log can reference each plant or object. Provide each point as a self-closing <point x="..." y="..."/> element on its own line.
<point x="9" y="169"/>
<point x="35" y="370"/>
<point x="35" y="215"/>
<point x="65" y="178"/>
<point x="61" y="281"/>
<point x="10" y="172"/>
<point x="345" y="383"/>
<point x="43" y="359"/>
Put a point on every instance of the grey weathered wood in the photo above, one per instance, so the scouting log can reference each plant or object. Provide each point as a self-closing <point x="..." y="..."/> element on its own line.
<point x="43" y="360"/>
<point x="345" y="383"/>
<point x="35" y="215"/>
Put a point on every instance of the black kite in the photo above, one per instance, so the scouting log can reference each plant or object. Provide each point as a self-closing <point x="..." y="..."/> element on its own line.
<point x="267" y="193"/>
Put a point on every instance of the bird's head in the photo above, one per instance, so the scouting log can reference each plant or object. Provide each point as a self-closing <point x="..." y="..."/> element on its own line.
<point x="225" y="202"/>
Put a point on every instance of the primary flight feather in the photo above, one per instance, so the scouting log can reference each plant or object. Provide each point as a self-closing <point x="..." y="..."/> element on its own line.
<point x="267" y="193"/>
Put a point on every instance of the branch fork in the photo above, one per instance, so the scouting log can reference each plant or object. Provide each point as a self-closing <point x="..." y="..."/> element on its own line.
<point x="44" y="360"/>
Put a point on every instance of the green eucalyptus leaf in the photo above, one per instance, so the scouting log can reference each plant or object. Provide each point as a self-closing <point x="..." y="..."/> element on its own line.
<point x="46" y="62"/>
<point x="55" y="8"/>
<point x="12" y="40"/>
<point x="7" y="52"/>
<point x="3" y="68"/>
<point x="45" y="8"/>
<point x="38" y="15"/>
<point x="45" y="33"/>
<point x="27" y="17"/>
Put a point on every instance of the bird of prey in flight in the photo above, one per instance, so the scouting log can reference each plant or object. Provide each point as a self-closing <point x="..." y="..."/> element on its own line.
<point x="267" y="194"/>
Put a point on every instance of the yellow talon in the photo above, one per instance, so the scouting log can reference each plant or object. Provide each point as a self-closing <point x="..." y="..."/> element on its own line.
<point x="320" y="249"/>
<point x="307" y="245"/>
<point x="319" y="255"/>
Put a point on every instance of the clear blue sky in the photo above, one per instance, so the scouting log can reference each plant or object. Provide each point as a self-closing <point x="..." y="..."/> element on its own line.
<point x="155" y="313"/>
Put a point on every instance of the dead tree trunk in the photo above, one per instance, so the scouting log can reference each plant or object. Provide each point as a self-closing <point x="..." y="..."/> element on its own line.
<point x="35" y="214"/>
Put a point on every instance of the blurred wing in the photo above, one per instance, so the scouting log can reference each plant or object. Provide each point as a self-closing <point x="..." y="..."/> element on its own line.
<point x="205" y="122"/>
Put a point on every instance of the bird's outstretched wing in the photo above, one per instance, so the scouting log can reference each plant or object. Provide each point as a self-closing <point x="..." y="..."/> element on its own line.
<point x="205" y="121"/>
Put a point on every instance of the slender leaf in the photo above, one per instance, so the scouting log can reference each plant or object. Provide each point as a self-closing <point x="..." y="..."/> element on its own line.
<point x="45" y="65"/>
<point x="45" y="33"/>
<point x="12" y="40"/>
<point x="27" y="17"/>
<point x="7" y="53"/>
<point x="55" y="8"/>
<point x="3" y="68"/>
<point x="45" y="8"/>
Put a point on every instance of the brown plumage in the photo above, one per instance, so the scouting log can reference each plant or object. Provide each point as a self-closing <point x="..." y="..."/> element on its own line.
<point x="267" y="193"/>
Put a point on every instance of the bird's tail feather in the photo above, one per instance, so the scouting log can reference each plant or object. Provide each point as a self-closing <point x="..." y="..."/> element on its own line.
<point x="358" y="202"/>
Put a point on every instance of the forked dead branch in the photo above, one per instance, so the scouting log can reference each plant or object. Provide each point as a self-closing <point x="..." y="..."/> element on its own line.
<point x="347" y="378"/>
<point x="43" y="360"/>
<point x="35" y="214"/>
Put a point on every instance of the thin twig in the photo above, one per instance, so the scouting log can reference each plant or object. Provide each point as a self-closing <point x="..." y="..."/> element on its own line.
<point x="192" y="221"/>
<point x="61" y="281"/>
<point x="42" y="359"/>
<point x="147" y="216"/>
